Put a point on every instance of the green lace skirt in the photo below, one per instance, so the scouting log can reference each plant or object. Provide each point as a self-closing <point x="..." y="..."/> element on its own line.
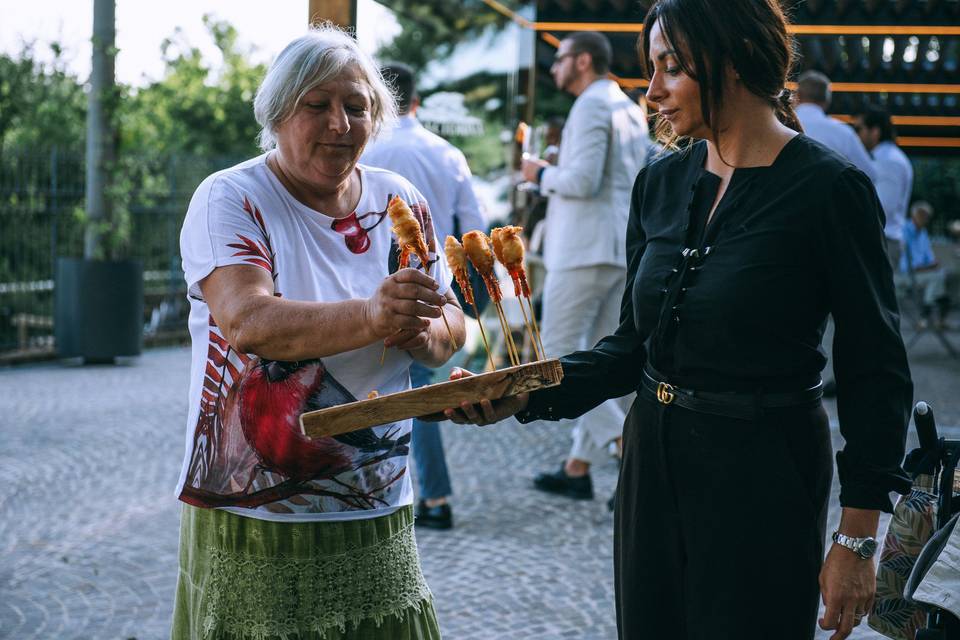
<point x="249" y="579"/>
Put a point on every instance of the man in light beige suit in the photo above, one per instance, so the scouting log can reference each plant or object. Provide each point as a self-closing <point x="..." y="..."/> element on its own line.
<point x="605" y="144"/>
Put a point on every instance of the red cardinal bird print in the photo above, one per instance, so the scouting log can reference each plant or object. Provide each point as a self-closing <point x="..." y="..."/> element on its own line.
<point x="272" y="397"/>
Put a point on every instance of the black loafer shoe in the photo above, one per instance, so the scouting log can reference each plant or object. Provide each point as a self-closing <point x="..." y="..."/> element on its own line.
<point x="438" y="517"/>
<point x="561" y="484"/>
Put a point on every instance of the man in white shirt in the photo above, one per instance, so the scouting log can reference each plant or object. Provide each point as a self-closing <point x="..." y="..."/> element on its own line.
<point x="440" y="172"/>
<point x="813" y="95"/>
<point x="894" y="173"/>
<point x="604" y="145"/>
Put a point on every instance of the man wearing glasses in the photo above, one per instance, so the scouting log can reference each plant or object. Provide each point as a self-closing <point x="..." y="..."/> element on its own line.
<point x="605" y="143"/>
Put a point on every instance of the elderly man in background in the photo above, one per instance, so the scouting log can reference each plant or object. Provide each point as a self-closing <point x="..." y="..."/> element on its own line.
<point x="919" y="260"/>
<point x="813" y="97"/>
<point x="894" y="173"/>
<point x="439" y="171"/>
<point x="605" y="144"/>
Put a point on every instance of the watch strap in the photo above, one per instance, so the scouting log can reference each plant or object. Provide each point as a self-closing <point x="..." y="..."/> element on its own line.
<point x="857" y="545"/>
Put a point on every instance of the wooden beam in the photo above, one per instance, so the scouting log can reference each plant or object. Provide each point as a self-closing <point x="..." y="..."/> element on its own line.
<point x="911" y="121"/>
<point x="508" y="12"/>
<point x="873" y="30"/>
<point x="920" y="141"/>
<point x="887" y="87"/>
<point x="845" y="87"/>
<point x="342" y="13"/>
<point x="798" y="29"/>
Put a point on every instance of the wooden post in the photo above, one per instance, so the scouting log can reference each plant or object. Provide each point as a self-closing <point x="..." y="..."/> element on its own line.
<point x="342" y="13"/>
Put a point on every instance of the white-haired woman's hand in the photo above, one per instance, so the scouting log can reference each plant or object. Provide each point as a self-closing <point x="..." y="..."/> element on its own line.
<point x="402" y="306"/>
<point x="486" y="411"/>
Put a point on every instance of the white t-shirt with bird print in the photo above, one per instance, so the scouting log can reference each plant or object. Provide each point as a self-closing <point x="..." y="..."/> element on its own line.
<point x="245" y="451"/>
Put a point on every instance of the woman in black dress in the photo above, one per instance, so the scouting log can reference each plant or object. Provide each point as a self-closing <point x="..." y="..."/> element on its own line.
<point x="739" y="246"/>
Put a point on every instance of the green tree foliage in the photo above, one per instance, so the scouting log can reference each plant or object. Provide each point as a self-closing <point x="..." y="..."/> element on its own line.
<point x="172" y="133"/>
<point x="195" y="109"/>
<point x="432" y="28"/>
<point x="40" y="105"/>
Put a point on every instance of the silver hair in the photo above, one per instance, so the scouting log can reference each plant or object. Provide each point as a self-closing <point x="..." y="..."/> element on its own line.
<point x="310" y="60"/>
<point x="921" y="205"/>
<point x="813" y="86"/>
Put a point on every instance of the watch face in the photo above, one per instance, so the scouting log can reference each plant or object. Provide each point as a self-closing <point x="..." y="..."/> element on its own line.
<point x="867" y="548"/>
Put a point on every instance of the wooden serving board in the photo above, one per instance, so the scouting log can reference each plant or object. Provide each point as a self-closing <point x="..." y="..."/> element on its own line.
<point x="431" y="399"/>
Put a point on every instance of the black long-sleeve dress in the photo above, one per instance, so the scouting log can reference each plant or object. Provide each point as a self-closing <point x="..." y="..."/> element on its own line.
<point x="720" y="521"/>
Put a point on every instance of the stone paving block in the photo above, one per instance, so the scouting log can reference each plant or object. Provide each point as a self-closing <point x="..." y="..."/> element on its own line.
<point x="88" y="548"/>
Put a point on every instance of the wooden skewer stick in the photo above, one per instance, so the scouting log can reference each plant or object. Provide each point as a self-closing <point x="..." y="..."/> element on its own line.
<point x="453" y="341"/>
<point x="444" y="316"/>
<point x="533" y="338"/>
<point x="483" y="334"/>
<point x="383" y="354"/>
<point x="511" y="345"/>
<point x="536" y="329"/>
<point x="513" y="342"/>
<point x="504" y="330"/>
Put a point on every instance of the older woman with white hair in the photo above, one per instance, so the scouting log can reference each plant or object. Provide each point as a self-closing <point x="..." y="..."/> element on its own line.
<point x="294" y="291"/>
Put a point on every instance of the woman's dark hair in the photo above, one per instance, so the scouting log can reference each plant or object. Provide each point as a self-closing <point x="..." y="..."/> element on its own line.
<point x="874" y="116"/>
<point x="750" y="35"/>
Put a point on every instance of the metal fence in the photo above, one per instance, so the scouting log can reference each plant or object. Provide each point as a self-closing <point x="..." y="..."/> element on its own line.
<point x="41" y="209"/>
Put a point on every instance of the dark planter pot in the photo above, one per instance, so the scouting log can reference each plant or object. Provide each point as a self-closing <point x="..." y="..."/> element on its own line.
<point x="98" y="309"/>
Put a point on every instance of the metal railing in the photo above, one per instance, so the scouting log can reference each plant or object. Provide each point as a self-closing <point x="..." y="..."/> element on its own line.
<point x="41" y="205"/>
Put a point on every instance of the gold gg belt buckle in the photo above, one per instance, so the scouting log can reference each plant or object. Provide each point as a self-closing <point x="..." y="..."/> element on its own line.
<point x="665" y="393"/>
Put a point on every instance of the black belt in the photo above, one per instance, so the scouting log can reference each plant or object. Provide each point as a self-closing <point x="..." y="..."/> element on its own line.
<point x="745" y="406"/>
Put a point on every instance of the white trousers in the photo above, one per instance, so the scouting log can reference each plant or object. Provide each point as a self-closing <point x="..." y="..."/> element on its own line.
<point x="581" y="306"/>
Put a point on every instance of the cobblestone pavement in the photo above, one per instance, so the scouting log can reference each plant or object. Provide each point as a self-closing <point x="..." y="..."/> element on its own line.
<point x="88" y="523"/>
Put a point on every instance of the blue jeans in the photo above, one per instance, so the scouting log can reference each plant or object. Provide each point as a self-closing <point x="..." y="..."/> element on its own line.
<point x="433" y="480"/>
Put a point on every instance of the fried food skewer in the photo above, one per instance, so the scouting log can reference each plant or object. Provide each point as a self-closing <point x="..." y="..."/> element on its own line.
<point x="457" y="260"/>
<point x="476" y="244"/>
<point x="477" y="247"/>
<point x="410" y="238"/>
<point x="409" y="234"/>
<point x="508" y="247"/>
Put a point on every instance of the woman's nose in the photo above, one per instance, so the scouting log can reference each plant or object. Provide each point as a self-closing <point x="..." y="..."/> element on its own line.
<point x="655" y="92"/>
<point x="339" y="121"/>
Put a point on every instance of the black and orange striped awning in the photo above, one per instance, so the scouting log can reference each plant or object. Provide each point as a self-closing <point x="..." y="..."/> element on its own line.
<point x="923" y="95"/>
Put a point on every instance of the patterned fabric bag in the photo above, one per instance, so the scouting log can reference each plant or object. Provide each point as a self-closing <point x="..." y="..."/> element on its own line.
<point x="910" y="528"/>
